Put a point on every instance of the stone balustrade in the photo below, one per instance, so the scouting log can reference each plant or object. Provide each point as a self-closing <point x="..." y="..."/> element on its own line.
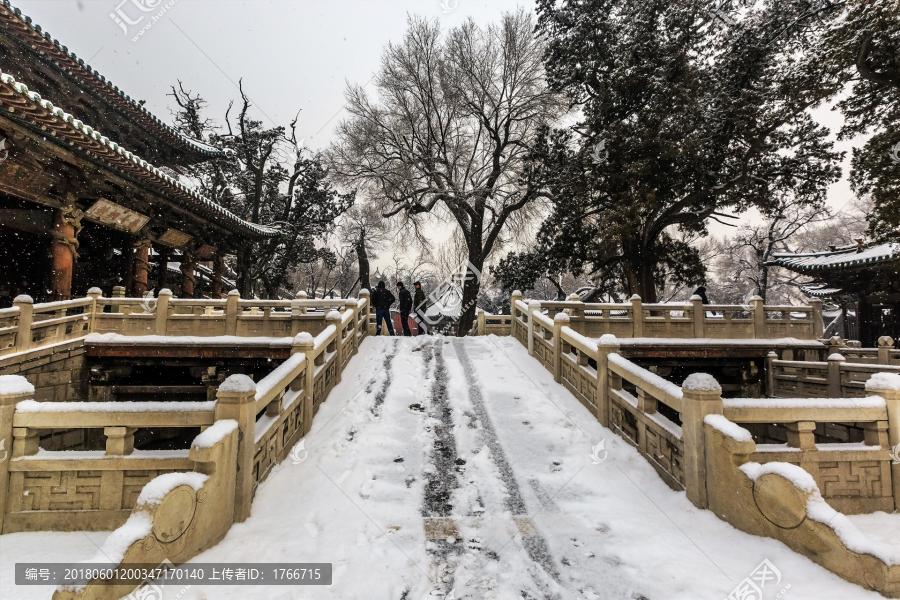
<point x="694" y="439"/>
<point x="692" y="319"/>
<point x="27" y="326"/>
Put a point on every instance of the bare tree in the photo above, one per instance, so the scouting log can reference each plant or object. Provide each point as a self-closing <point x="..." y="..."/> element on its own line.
<point x="451" y="132"/>
<point x="745" y="263"/>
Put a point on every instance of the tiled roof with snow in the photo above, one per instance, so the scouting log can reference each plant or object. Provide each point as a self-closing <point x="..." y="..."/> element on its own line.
<point x="70" y="132"/>
<point x="839" y="258"/>
<point x="41" y="42"/>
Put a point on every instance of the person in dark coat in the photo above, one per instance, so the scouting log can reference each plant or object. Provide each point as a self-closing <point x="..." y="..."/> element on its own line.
<point x="382" y="300"/>
<point x="406" y="304"/>
<point x="701" y="291"/>
<point x="420" y="303"/>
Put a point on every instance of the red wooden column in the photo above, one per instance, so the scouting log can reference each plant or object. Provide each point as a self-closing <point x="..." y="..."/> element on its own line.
<point x="64" y="248"/>
<point x="187" y="274"/>
<point x="141" y="265"/>
<point x="218" y="270"/>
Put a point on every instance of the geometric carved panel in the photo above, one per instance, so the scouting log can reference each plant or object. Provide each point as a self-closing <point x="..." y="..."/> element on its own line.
<point x="61" y="490"/>
<point x="847" y="479"/>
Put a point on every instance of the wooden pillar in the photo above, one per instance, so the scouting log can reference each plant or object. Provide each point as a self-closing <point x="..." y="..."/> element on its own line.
<point x="162" y="264"/>
<point x="141" y="265"/>
<point x="187" y="274"/>
<point x="218" y="270"/>
<point x="64" y="248"/>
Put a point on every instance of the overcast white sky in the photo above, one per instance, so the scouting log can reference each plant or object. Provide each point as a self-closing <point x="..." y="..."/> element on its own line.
<point x="291" y="54"/>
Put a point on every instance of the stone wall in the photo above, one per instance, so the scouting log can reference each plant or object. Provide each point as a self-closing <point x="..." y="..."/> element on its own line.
<point x="58" y="373"/>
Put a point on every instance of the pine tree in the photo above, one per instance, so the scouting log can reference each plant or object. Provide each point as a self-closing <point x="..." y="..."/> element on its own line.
<point x="687" y="112"/>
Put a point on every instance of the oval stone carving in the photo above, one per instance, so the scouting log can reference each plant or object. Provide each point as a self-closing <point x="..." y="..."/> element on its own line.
<point x="780" y="501"/>
<point x="174" y="514"/>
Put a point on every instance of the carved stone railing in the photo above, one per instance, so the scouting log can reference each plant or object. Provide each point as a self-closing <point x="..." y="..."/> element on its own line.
<point x="691" y="436"/>
<point x="486" y="324"/>
<point x="101" y="490"/>
<point x="836" y="377"/>
<point x="854" y="478"/>
<point x="693" y="319"/>
<point x="27" y="326"/>
<point x="86" y="490"/>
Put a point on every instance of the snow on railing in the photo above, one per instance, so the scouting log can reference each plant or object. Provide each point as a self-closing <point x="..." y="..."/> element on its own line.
<point x="27" y="326"/>
<point x="691" y="319"/>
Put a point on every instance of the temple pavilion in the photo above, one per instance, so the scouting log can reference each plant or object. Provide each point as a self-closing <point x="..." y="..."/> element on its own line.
<point x="83" y="199"/>
<point x="864" y="281"/>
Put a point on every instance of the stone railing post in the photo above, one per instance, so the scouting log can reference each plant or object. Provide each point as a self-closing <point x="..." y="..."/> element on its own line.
<point x="297" y="309"/>
<point x="887" y="385"/>
<point x="13" y="389"/>
<point x="534" y="307"/>
<point x="637" y="315"/>
<point x="26" y="316"/>
<point x="364" y="311"/>
<point x="577" y="313"/>
<point x="559" y="321"/>
<point x="817" y="322"/>
<point x="758" y="315"/>
<point x="833" y="345"/>
<point x="801" y="435"/>
<point x="118" y="292"/>
<point x="236" y="399"/>
<point x="232" y="308"/>
<point x="162" y="311"/>
<point x="516" y="296"/>
<point x="605" y="346"/>
<point x="702" y="395"/>
<point x="699" y="315"/>
<point x="119" y="440"/>
<point x="481" y="321"/>
<point x="304" y="342"/>
<point x="834" y="375"/>
<point x="771" y="357"/>
<point x="94" y="294"/>
<point x="885" y="345"/>
<point x="334" y="318"/>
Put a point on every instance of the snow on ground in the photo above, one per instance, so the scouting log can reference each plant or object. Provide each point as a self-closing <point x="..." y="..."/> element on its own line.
<point x="38" y="547"/>
<point x="473" y="440"/>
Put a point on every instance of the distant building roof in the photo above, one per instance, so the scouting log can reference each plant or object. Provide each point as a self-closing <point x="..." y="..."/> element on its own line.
<point x="839" y="258"/>
<point x="94" y="88"/>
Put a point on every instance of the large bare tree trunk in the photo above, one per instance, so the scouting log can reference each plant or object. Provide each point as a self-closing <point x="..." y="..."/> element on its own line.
<point x="363" y="259"/>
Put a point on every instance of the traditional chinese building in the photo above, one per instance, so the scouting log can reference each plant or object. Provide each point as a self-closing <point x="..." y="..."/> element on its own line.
<point x="83" y="201"/>
<point x="864" y="282"/>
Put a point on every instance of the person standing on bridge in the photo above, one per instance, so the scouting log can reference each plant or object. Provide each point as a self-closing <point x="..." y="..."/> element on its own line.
<point x="382" y="300"/>
<point x="421" y="305"/>
<point x="405" y="306"/>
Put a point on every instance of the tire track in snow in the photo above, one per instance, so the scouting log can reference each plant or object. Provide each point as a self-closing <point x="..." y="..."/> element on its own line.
<point x="389" y="378"/>
<point x="535" y="544"/>
<point x="440" y="474"/>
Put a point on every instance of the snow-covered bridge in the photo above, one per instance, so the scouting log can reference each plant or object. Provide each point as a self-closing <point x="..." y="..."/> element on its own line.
<point x="541" y="462"/>
<point x="460" y="467"/>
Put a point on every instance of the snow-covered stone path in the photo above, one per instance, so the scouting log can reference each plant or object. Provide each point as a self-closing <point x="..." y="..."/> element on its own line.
<point x="444" y="468"/>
